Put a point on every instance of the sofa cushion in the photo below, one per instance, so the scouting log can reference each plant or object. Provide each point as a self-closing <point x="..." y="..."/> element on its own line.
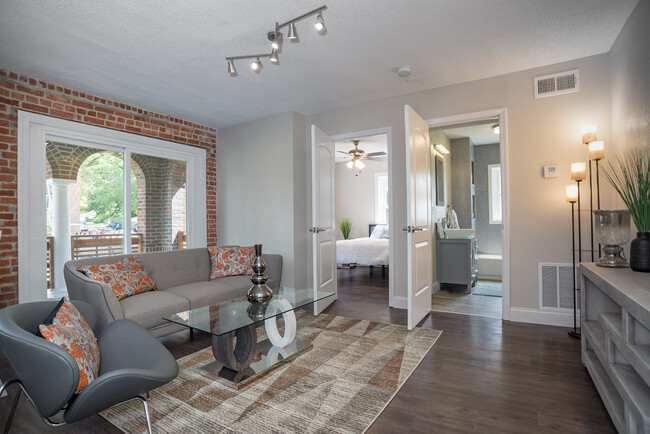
<point x="126" y="277"/>
<point x="148" y="308"/>
<point x="201" y="294"/>
<point x="231" y="261"/>
<point x="178" y="267"/>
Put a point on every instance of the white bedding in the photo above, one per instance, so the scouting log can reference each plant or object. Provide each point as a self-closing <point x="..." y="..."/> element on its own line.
<point x="362" y="251"/>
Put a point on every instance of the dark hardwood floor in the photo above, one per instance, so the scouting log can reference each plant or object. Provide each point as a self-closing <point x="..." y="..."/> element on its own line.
<point x="482" y="375"/>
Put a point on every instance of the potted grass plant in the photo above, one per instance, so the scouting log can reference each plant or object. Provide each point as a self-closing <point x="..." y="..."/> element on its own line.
<point x="345" y="227"/>
<point x="629" y="174"/>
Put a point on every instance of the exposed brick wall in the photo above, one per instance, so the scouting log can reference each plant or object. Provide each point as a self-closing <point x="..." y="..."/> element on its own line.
<point x="25" y="93"/>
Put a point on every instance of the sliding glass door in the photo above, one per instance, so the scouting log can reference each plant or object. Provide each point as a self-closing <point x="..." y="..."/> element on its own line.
<point x="95" y="192"/>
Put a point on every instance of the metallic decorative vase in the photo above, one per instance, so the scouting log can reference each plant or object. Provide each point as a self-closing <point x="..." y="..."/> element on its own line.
<point x="259" y="293"/>
<point x="612" y="230"/>
<point x="640" y="252"/>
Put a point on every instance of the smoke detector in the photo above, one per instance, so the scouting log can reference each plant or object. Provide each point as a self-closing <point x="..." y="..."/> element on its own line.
<point x="404" y="71"/>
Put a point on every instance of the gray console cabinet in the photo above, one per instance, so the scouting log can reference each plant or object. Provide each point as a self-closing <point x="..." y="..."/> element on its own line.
<point x="457" y="261"/>
<point x="615" y="324"/>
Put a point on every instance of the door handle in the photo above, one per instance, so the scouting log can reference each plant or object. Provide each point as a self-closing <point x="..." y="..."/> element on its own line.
<point x="316" y="230"/>
<point x="411" y="229"/>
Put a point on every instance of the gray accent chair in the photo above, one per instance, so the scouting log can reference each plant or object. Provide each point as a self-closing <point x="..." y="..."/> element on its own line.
<point x="132" y="362"/>
<point x="183" y="282"/>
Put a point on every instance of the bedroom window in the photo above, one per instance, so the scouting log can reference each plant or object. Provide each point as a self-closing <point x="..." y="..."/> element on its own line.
<point x="381" y="198"/>
<point x="494" y="193"/>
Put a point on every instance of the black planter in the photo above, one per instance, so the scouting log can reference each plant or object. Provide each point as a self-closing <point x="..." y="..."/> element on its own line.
<point x="640" y="252"/>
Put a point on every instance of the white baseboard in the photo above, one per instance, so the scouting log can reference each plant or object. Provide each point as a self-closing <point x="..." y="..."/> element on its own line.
<point x="399" y="302"/>
<point x="534" y="316"/>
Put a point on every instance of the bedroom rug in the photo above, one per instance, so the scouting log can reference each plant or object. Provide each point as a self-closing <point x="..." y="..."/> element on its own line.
<point x="487" y="287"/>
<point x="351" y="374"/>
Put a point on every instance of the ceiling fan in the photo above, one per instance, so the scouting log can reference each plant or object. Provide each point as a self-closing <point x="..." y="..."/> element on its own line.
<point x="357" y="155"/>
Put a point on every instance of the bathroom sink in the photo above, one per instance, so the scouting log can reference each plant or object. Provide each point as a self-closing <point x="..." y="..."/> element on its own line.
<point x="460" y="234"/>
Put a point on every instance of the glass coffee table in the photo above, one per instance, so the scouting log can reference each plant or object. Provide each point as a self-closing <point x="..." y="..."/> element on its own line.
<point x="239" y="358"/>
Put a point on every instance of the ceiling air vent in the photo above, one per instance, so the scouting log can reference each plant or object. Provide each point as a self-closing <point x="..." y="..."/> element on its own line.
<point x="556" y="84"/>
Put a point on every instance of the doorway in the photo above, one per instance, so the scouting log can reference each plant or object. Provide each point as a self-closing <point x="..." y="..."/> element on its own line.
<point x="363" y="195"/>
<point x="471" y="151"/>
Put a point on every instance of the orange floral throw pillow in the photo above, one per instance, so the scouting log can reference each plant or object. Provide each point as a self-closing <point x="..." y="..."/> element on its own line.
<point x="126" y="277"/>
<point x="71" y="332"/>
<point x="231" y="261"/>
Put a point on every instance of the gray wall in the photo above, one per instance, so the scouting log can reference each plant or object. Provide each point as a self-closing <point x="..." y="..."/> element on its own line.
<point x="461" y="183"/>
<point x="538" y="130"/>
<point x="488" y="235"/>
<point x="262" y="188"/>
<point x="630" y="59"/>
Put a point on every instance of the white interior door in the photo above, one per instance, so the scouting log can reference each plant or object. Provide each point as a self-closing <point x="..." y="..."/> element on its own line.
<point x="323" y="217"/>
<point x="418" y="211"/>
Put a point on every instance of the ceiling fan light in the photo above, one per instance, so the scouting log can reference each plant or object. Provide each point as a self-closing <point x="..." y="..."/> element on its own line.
<point x="319" y="25"/>
<point x="274" y="57"/>
<point x="350" y="164"/>
<point x="359" y="164"/>
<point x="231" y="68"/>
<point x="293" y="35"/>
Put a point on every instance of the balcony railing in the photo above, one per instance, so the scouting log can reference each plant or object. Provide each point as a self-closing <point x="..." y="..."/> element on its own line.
<point x="90" y="246"/>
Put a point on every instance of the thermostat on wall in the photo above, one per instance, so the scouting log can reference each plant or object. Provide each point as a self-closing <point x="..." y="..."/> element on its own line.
<point x="551" y="171"/>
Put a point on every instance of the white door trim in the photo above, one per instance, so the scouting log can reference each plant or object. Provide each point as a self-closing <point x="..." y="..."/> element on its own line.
<point x="33" y="131"/>
<point x="501" y="113"/>
<point x="392" y="302"/>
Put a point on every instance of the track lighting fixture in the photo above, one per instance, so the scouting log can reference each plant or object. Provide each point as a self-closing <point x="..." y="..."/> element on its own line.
<point x="256" y="65"/>
<point x="292" y="32"/>
<point x="276" y="40"/>
<point x="231" y="68"/>
<point x="274" y="57"/>
<point x="319" y="25"/>
<point x="275" y="36"/>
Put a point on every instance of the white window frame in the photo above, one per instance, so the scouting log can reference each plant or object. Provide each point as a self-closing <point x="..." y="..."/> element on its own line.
<point x="379" y="211"/>
<point x="493" y="196"/>
<point x="33" y="131"/>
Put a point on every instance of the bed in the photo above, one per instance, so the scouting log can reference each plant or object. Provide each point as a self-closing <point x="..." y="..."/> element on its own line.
<point x="367" y="251"/>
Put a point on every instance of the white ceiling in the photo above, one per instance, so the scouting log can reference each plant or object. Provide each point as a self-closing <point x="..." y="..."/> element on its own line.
<point x="368" y="144"/>
<point x="480" y="134"/>
<point x="169" y="56"/>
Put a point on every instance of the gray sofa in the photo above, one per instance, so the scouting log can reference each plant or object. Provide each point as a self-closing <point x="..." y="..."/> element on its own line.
<point x="182" y="281"/>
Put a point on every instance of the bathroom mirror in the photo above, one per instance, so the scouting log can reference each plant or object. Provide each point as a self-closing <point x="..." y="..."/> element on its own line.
<point x="440" y="181"/>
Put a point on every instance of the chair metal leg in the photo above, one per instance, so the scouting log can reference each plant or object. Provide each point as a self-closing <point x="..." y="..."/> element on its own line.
<point x="146" y="412"/>
<point x="13" y="410"/>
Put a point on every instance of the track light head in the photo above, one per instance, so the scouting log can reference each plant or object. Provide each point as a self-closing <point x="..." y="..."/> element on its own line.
<point x="231" y="68"/>
<point x="276" y="39"/>
<point x="274" y="57"/>
<point x="319" y="25"/>
<point x="293" y="35"/>
<point x="256" y="65"/>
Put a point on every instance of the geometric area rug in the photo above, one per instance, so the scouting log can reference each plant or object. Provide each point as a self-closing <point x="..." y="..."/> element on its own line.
<point x="341" y="385"/>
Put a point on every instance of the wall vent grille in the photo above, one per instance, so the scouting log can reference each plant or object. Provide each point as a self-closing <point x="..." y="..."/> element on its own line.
<point x="556" y="287"/>
<point x="556" y="84"/>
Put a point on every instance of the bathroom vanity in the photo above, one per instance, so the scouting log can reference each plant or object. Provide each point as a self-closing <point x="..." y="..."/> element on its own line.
<point x="457" y="261"/>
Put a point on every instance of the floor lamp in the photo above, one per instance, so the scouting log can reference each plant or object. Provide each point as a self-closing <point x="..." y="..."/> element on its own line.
<point x="597" y="153"/>
<point x="588" y="137"/>
<point x="572" y="197"/>
<point x="578" y="174"/>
